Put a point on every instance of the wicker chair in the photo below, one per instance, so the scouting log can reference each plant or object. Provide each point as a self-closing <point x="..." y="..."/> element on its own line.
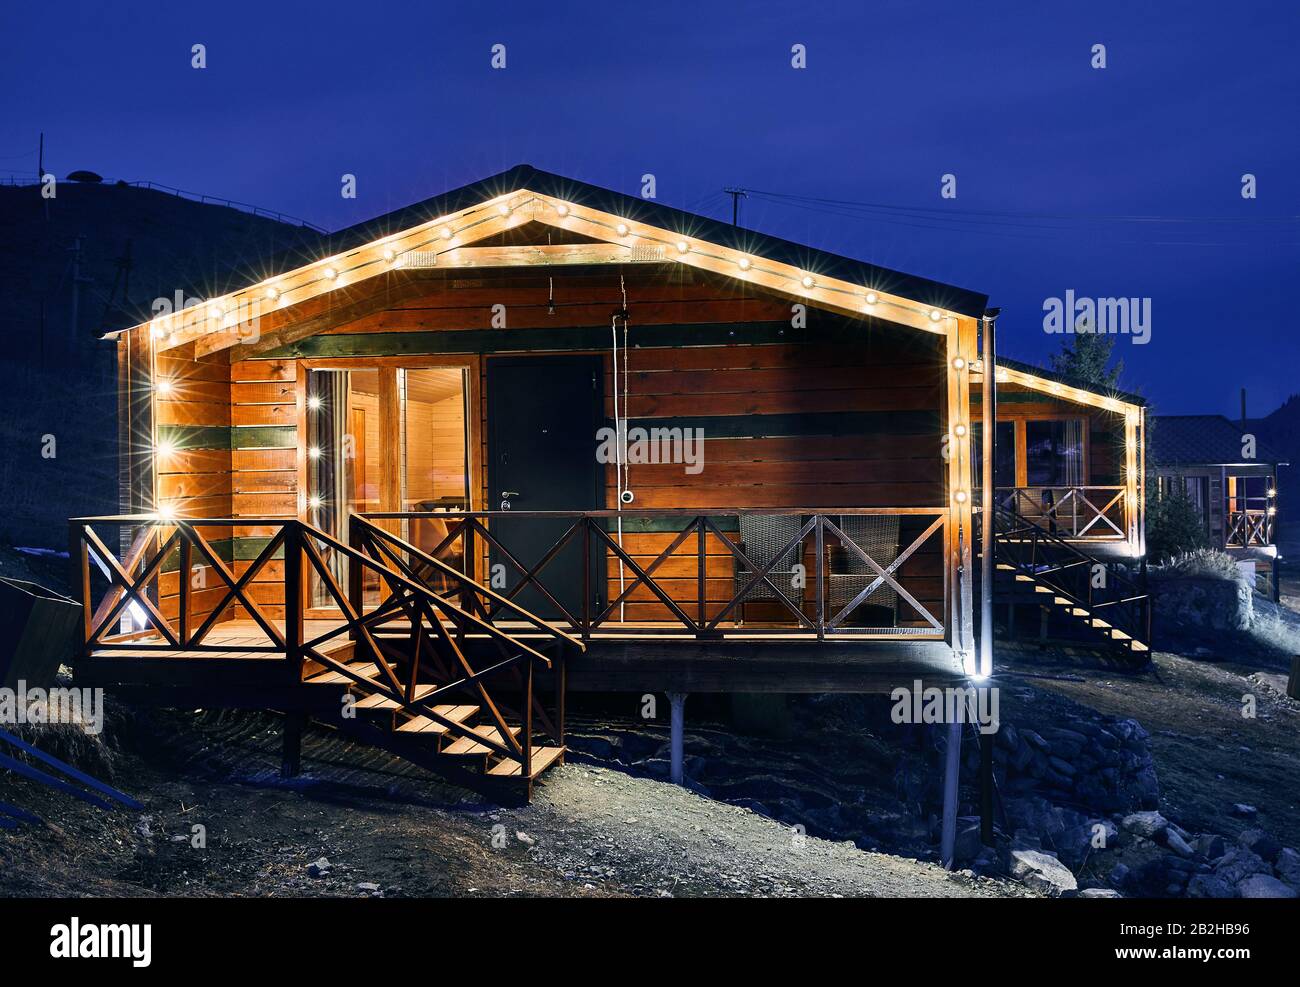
<point x="877" y="536"/>
<point x="762" y="536"/>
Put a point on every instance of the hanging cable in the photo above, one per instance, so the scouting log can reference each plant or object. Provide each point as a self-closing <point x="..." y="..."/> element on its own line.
<point x="621" y="475"/>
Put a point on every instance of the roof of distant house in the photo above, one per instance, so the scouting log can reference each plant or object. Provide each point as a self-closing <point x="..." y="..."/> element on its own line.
<point x="1205" y="440"/>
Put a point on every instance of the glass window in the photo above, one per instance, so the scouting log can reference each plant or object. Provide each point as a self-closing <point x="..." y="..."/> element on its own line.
<point x="1054" y="453"/>
<point x="1004" y="462"/>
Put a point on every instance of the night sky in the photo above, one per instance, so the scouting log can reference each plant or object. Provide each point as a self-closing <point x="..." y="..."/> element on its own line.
<point x="1119" y="181"/>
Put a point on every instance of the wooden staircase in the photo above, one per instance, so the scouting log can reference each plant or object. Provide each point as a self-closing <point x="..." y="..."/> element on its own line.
<point x="1106" y="604"/>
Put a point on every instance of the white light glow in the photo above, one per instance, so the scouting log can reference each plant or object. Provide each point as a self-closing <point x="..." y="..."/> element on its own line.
<point x="935" y="315"/>
<point x="807" y="281"/>
<point x="314" y="402"/>
<point x="744" y="263"/>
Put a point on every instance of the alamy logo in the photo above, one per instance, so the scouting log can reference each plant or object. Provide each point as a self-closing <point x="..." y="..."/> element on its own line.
<point x="951" y="705"/>
<point x="1080" y="314"/>
<point x="640" y="446"/>
<point x="84" y="707"/>
<point x="75" y="941"/>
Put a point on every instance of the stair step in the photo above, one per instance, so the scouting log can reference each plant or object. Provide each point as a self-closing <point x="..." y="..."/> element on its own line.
<point x="379" y="701"/>
<point x="423" y="724"/>
<point x="1136" y="645"/>
<point x="1024" y="579"/>
<point x="365" y="669"/>
<point x="543" y="758"/>
<point x="468" y="747"/>
<point x="1006" y="568"/>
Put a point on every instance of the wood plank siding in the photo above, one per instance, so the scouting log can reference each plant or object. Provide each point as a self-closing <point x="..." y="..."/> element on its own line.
<point x="837" y="413"/>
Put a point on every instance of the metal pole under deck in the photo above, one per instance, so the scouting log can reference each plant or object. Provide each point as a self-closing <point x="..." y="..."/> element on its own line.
<point x="677" y="718"/>
<point x="987" y="561"/>
<point x="951" y="777"/>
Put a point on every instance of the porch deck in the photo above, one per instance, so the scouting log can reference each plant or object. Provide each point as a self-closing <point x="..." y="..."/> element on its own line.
<point x="238" y="654"/>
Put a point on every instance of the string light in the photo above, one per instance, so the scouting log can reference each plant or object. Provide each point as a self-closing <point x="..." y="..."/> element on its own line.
<point x="163" y="386"/>
<point x="959" y="431"/>
<point x="683" y="247"/>
<point x="166" y="510"/>
<point x="331" y="273"/>
<point x="935" y="315"/>
<point x="562" y="209"/>
<point x="314" y="452"/>
<point x="272" y="293"/>
<point x="622" y="229"/>
<point x="389" y="254"/>
<point x="807" y="281"/>
<point x="744" y="263"/>
<point x="504" y="209"/>
<point x="958" y="364"/>
<point x="314" y="402"/>
<point x="960" y="496"/>
<point x="314" y="501"/>
<point x="446" y="233"/>
<point x="872" y="298"/>
<point x="165" y="447"/>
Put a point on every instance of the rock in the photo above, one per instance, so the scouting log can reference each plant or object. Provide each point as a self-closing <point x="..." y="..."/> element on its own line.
<point x="1259" y="842"/>
<point x="368" y="887"/>
<point x="1238" y="864"/>
<point x="1118" y="875"/>
<point x="523" y="837"/>
<point x="1042" y="872"/>
<point x="1148" y="824"/>
<point x="1244" y="810"/>
<point x="968" y="844"/>
<point x="143" y="827"/>
<point x="1061" y="765"/>
<point x="1287" y="866"/>
<point x="1209" y="886"/>
<point x="1100" y="893"/>
<point x="1210" y="846"/>
<point x="1264" y="886"/>
<point x="1177" y="844"/>
<point x="319" y="867"/>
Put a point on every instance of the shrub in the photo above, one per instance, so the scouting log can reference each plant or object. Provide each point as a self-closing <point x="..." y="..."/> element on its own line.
<point x="1201" y="563"/>
<point x="1174" y="527"/>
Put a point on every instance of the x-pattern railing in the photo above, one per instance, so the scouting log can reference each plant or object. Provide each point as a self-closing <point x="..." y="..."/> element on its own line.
<point x="1249" y="527"/>
<point x="435" y="626"/>
<point x="1095" y="512"/>
<point x="697" y="615"/>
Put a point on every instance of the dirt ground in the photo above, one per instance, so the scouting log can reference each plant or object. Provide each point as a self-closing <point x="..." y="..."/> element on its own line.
<point x="389" y="829"/>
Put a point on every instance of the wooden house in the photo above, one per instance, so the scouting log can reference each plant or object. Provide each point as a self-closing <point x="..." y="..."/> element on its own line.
<point x="535" y="427"/>
<point x="1230" y="477"/>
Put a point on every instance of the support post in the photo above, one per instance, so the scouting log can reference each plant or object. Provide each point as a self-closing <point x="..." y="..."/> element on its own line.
<point x="988" y="550"/>
<point x="951" y="776"/>
<point x="677" y="714"/>
<point x="291" y="761"/>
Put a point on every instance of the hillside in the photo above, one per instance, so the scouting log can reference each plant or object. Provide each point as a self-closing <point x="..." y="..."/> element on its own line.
<point x="94" y="257"/>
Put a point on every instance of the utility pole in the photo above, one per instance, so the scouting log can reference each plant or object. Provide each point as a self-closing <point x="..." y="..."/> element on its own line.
<point x="736" y="195"/>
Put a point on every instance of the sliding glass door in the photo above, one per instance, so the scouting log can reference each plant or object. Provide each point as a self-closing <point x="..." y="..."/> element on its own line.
<point x="386" y="439"/>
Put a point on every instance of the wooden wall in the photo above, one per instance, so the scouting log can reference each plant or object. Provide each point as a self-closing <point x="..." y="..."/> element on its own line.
<point x="837" y="413"/>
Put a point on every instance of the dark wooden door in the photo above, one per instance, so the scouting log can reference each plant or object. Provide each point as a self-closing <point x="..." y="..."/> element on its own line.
<point x="543" y="414"/>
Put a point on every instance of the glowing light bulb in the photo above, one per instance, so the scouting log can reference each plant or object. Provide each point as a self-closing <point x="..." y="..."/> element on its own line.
<point x="958" y="364"/>
<point x="872" y="298"/>
<point x="272" y="293"/>
<point x="744" y="263"/>
<point x="622" y="229"/>
<point x="959" y="431"/>
<point x="314" y="501"/>
<point x="935" y="315"/>
<point x="683" y="247"/>
<point x="389" y="254"/>
<point x="504" y="209"/>
<point x="330" y="273"/>
<point x="314" y="452"/>
<point x="166" y="510"/>
<point x="163" y="386"/>
<point x="446" y="233"/>
<point x="960" y="496"/>
<point x="807" y="281"/>
<point x="314" y="402"/>
<point x="165" y="447"/>
<point x="1272" y="492"/>
<point x="562" y="209"/>
<point x="214" y="312"/>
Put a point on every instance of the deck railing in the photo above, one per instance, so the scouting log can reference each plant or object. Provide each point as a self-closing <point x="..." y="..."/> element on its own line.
<point x="1093" y="513"/>
<point x="405" y="636"/>
<point x="693" y="577"/>
<point x="1250" y="522"/>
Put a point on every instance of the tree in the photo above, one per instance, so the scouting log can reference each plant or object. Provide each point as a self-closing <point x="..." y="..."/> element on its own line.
<point x="1085" y="356"/>
<point x="1174" y="525"/>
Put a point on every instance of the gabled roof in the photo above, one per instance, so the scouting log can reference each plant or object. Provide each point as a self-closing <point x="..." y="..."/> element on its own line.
<point x="1204" y="440"/>
<point x="633" y="230"/>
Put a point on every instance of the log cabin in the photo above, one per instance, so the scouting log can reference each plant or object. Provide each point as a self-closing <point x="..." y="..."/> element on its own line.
<point x="533" y="435"/>
<point x="1231" y="481"/>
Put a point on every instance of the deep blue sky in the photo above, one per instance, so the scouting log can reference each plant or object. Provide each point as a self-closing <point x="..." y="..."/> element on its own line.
<point x="702" y="95"/>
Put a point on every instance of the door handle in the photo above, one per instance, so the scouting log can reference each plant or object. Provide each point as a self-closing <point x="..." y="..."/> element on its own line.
<point x="505" y="498"/>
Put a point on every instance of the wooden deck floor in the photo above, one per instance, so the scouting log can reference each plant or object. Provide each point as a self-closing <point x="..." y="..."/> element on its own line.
<point x="646" y="657"/>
